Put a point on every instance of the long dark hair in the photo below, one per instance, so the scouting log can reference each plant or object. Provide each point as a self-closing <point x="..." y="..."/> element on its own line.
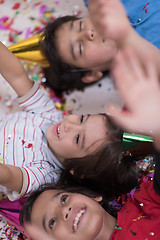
<point x="106" y="171"/>
<point x="59" y="75"/>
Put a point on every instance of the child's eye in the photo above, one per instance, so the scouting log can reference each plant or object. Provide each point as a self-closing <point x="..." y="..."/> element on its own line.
<point x="77" y="139"/>
<point x="51" y="223"/>
<point x="80" y="26"/>
<point x="64" y="198"/>
<point x="80" y="49"/>
<point x="81" y="118"/>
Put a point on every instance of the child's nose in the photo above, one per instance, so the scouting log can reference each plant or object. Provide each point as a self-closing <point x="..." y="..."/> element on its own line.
<point x="89" y="34"/>
<point x="66" y="212"/>
<point x="68" y="126"/>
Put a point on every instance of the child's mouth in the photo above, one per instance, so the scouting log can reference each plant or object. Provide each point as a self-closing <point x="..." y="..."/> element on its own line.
<point x="58" y="130"/>
<point x="77" y="219"/>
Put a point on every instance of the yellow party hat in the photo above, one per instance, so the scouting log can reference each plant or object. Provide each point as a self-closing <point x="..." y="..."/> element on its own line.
<point x="29" y="50"/>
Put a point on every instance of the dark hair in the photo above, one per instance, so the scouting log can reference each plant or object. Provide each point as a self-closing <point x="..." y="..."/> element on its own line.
<point x="60" y="75"/>
<point x="67" y="186"/>
<point x="107" y="171"/>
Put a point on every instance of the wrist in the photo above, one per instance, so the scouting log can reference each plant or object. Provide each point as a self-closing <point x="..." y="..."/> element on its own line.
<point x="128" y="37"/>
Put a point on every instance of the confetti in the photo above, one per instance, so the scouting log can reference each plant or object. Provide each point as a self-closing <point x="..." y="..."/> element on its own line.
<point x="16" y="5"/>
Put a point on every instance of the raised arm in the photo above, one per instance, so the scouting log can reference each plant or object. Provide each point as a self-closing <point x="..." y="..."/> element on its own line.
<point x="13" y="71"/>
<point x="11" y="177"/>
<point x="110" y="20"/>
<point x="140" y="90"/>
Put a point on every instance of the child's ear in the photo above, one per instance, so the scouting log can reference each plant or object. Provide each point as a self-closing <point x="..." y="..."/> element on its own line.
<point x="92" y="76"/>
<point x="72" y="173"/>
<point x="98" y="199"/>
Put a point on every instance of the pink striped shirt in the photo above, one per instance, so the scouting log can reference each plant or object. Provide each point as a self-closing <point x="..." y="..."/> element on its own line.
<point x="23" y="142"/>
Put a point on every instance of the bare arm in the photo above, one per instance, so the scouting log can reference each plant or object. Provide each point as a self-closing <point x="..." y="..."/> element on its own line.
<point x="13" y="71"/>
<point x="11" y="177"/>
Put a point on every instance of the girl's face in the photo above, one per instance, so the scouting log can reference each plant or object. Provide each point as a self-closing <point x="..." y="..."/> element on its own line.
<point x="70" y="216"/>
<point x="77" y="136"/>
<point x="80" y="45"/>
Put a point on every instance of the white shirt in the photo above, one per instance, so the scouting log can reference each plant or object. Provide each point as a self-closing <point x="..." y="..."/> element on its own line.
<point x="23" y="142"/>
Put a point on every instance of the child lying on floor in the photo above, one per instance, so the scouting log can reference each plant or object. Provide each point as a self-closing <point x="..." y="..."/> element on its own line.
<point x="37" y="145"/>
<point x="89" y="49"/>
<point x="73" y="212"/>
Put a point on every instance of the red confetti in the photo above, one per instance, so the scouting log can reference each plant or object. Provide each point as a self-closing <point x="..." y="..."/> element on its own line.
<point x="23" y="142"/>
<point x="16" y="6"/>
<point x="146" y="10"/>
<point x="145" y="6"/>
<point x="35" y="30"/>
<point x="38" y="3"/>
<point x="78" y="13"/>
<point x="11" y="38"/>
<point x="29" y="145"/>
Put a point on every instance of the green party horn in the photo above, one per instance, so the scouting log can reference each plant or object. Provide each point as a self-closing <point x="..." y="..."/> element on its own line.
<point x="131" y="140"/>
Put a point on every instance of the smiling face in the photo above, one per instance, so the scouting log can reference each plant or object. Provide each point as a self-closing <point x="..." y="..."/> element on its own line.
<point x="71" y="216"/>
<point x="77" y="136"/>
<point x="80" y="45"/>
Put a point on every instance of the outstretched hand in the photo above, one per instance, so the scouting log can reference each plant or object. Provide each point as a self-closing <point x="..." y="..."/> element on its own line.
<point x="140" y="89"/>
<point x="109" y="19"/>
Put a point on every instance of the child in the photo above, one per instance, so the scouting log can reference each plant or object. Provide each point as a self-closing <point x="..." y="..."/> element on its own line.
<point x="36" y="141"/>
<point x="37" y="144"/>
<point x="77" y="213"/>
<point x="88" y="49"/>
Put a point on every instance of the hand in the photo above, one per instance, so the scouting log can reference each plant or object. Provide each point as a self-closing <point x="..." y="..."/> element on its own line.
<point x="109" y="19"/>
<point x="140" y="89"/>
<point x="36" y="233"/>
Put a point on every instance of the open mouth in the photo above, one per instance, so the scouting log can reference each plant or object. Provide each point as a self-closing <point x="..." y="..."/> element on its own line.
<point x="58" y="130"/>
<point x="78" y="218"/>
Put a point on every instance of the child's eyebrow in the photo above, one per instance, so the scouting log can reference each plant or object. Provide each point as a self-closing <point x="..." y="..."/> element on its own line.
<point x="72" y="46"/>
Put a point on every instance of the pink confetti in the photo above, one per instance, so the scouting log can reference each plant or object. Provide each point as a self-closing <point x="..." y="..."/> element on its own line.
<point x="27" y="33"/>
<point x="42" y="9"/>
<point x="56" y="2"/>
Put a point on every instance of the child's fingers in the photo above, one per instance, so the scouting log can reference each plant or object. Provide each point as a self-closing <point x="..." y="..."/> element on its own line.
<point x="136" y="68"/>
<point x="98" y="16"/>
<point x="151" y="70"/>
<point x="122" y="75"/>
<point x="126" y="120"/>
